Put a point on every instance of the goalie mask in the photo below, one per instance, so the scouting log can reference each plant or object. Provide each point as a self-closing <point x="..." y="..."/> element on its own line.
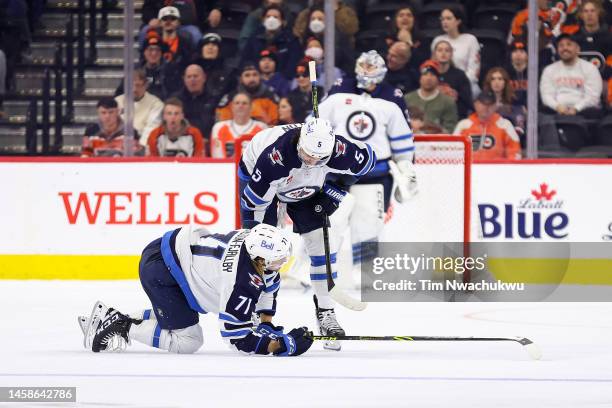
<point x="370" y="69"/>
<point x="316" y="142"/>
<point x="270" y="244"/>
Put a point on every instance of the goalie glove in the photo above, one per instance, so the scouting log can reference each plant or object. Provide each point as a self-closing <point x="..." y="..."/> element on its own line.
<point x="404" y="175"/>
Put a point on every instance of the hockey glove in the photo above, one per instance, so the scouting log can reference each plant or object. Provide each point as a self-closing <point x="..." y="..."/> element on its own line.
<point x="405" y="179"/>
<point x="270" y="330"/>
<point x="328" y="199"/>
<point x="294" y="343"/>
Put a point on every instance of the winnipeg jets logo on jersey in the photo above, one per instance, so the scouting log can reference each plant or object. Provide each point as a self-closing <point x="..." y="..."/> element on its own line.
<point x="361" y="125"/>
<point x="276" y="157"/>
<point x="299" y="193"/>
<point x="256" y="280"/>
<point x="340" y="148"/>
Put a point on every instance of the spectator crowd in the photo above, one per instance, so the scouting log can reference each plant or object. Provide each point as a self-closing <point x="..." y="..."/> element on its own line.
<point x="197" y="90"/>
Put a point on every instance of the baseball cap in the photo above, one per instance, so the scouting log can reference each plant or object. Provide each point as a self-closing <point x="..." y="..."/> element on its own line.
<point x="154" y="41"/>
<point x="430" y="66"/>
<point x="248" y="66"/>
<point x="488" y="98"/>
<point x="210" y="38"/>
<point x="168" y="11"/>
<point x="518" y="45"/>
<point x="567" y="36"/>
<point x="268" y="53"/>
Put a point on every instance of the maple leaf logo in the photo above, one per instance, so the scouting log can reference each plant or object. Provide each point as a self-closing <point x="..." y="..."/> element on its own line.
<point x="543" y="194"/>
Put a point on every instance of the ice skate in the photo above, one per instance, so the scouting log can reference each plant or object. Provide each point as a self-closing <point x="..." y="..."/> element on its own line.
<point x="328" y="326"/>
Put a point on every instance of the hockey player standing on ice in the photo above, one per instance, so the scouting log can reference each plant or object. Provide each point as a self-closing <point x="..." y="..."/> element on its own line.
<point x="290" y="164"/>
<point x="191" y="271"/>
<point x="366" y="109"/>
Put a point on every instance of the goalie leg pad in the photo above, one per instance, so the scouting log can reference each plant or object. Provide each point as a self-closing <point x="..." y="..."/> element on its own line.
<point x="367" y="219"/>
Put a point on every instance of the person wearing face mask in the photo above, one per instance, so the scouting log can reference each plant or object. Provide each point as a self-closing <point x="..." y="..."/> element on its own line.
<point x="314" y="51"/>
<point x="273" y="33"/>
<point x="264" y="102"/>
<point x="315" y="28"/>
<point x="346" y="21"/>
<point x="253" y="20"/>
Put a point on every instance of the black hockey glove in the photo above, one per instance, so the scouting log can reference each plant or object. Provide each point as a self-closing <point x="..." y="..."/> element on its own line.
<point x="294" y="343"/>
<point x="328" y="199"/>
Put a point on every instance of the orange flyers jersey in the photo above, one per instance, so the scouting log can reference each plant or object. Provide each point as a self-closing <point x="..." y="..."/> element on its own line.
<point x="225" y="133"/>
<point x="494" y="139"/>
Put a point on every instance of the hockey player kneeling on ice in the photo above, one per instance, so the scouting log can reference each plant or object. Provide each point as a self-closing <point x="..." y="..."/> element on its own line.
<point x="371" y="111"/>
<point x="191" y="271"/>
<point x="290" y="164"/>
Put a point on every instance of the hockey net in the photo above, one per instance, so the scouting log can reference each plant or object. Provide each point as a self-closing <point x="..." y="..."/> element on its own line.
<point x="440" y="212"/>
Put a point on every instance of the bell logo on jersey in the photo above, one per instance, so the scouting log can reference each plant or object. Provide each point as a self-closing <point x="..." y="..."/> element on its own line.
<point x="276" y="157"/>
<point x="361" y="125"/>
<point x="340" y="148"/>
<point x="535" y="217"/>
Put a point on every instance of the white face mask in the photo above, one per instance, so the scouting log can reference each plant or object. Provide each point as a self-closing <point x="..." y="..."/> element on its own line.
<point x="315" y="53"/>
<point x="272" y="23"/>
<point x="317" y="26"/>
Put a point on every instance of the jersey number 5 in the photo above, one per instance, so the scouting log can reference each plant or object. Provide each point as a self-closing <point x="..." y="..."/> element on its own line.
<point x="256" y="175"/>
<point x="359" y="157"/>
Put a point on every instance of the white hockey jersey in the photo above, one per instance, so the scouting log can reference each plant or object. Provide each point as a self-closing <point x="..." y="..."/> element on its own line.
<point x="216" y="275"/>
<point x="379" y="119"/>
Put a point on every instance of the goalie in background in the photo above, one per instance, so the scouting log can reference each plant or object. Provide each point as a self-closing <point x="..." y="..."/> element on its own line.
<point x="291" y="165"/>
<point x="190" y="271"/>
<point x="369" y="110"/>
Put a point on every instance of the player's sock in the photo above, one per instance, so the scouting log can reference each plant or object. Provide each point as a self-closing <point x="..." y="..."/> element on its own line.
<point x="149" y="332"/>
<point x="318" y="277"/>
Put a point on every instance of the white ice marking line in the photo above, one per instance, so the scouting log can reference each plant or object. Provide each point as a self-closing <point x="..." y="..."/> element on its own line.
<point x="474" y="316"/>
<point x="315" y="377"/>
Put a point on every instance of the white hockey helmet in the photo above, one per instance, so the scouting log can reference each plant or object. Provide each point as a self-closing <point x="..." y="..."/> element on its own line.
<point x="370" y="69"/>
<point x="317" y="140"/>
<point x="270" y="244"/>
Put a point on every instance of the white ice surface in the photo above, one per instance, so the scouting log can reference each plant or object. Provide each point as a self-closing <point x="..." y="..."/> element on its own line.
<point x="41" y="344"/>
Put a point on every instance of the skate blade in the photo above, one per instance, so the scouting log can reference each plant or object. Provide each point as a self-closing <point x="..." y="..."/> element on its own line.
<point x="83" y="323"/>
<point x="333" y="345"/>
<point x="98" y="311"/>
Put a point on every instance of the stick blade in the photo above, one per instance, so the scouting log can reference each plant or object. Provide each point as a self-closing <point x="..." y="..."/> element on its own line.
<point x="345" y="300"/>
<point x="532" y="349"/>
<point x="312" y="68"/>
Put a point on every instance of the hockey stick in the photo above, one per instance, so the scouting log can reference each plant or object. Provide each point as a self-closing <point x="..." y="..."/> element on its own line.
<point x="533" y="350"/>
<point x="335" y="293"/>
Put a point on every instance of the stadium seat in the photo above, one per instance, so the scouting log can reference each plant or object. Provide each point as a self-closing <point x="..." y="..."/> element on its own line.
<point x="229" y="45"/>
<point x="370" y="40"/>
<point x="492" y="48"/>
<point x="234" y="15"/>
<point x="429" y="17"/>
<point x="494" y="17"/>
<point x="604" y="131"/>
<point x="573" y="132"/>
<point x="380" y="16"/>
